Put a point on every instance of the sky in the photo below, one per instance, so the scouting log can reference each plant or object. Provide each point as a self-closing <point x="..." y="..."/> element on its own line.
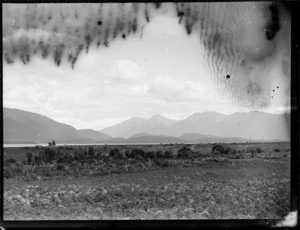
<point x="163" y="73"/>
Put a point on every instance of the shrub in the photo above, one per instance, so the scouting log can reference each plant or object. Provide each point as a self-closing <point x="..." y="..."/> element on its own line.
<point x="42" y="156"/>
<point x="91" y="152"/>
<point x="259" y="150"/>
<point x="276" y="150"/>
<point x="122" y="155"/>
<point x="60" y="166"/>
<point x="151" y="154"/>
<point x="76" y="156"/>
<point x="183" y="155"/>
<point x="99" y="155"/>
<point x="184" y="152"/>
<point x="251" y="150"/>
<point x="221" y="149"/>
<point x="51" y="155"/>
<point x="160" y="154"/>
<point x="10" y="161"/>
<point x="68" y="158"/>
<point x="168" y="154"/>
<point x="184" y="149"/>
<point x="114" y="152"/>
<point x="135" y="153"/>
<point x="79" y="156"/>
<point x="29" y="157"/>
<point x="218" y="148"/>
<point x="232" y="151"/>
<point x="127" y="153"/>
<point x="37" y="160"/>
<point x="161" y="163"/>
<point x="60" y="160"/>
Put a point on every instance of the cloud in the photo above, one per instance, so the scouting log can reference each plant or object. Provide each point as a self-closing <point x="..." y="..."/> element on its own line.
<point x="178" y="90"/>
<point x="125" y="71"/>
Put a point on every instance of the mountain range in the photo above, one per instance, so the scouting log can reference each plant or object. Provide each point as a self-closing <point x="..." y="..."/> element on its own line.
<point x="248" y="125"/>
<point x="206" y="127"/>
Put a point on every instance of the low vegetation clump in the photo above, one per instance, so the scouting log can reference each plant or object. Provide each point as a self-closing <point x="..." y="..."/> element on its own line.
<point x="222" y="149"/>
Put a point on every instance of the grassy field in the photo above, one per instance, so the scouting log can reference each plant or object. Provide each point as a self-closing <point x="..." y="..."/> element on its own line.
<point x="205" y="184"/>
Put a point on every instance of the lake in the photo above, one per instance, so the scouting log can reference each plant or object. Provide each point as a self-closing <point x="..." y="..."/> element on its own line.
<point x="100" y="144"/>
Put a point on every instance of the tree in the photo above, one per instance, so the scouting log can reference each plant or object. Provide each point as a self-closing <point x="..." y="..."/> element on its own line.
<point x="50" y="143"/>
<point x="53" y="143"/>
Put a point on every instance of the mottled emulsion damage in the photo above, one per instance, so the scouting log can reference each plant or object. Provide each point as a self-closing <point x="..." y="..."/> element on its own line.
<point x="243" y="41"/>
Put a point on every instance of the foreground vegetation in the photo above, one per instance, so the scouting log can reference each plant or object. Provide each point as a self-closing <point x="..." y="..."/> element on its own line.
<point x="148" y="182"/>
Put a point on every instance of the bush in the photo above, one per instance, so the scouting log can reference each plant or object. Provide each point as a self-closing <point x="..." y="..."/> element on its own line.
<point x="51" y="155"/>
<point x="151" y="154"/>
<point x="37" y="160"/>
<point x="114" y="153"/>
<point x="118" y="155"/>
<point x="91" y="152"/>
<point x="161" y="163"/>
<point x="29" y="157"/>
<point x="127" y="153"/>
<point x="42" y="156"/>
<point x="183" y="155"/>
<point x="251" y="150"/>
<point x="276" y="150"/>
<point x="68" y="158"/>
<point x="60" y="166"/>
<point x="60" y="160"/>
<point x="184" y="149"/>
<point x="10" y="161"/>
<point x="160" y="154"/>
<point x="76" y="156"/>
<point x="221" y="149"/>
<point x="99" y="155"/>
<point x="79" y="156"/>
<point x="136" y="153"/>
<point x="259" y="150"/>
<point x="168" y="154"/>
<point x="184" y="152"/>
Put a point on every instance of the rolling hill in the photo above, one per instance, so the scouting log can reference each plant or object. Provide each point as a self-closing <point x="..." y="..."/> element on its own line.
<point x="22" y="126"/>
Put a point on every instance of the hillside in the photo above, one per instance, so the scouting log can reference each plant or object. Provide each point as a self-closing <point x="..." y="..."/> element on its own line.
<point x="23" y="127"/>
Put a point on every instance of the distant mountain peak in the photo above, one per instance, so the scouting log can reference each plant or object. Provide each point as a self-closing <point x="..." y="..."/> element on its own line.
<point x="158" y="116"/>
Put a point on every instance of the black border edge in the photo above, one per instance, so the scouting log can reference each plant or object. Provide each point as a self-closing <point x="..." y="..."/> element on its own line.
<point x="263" y="223"/>
<point x="295" y="85"/>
